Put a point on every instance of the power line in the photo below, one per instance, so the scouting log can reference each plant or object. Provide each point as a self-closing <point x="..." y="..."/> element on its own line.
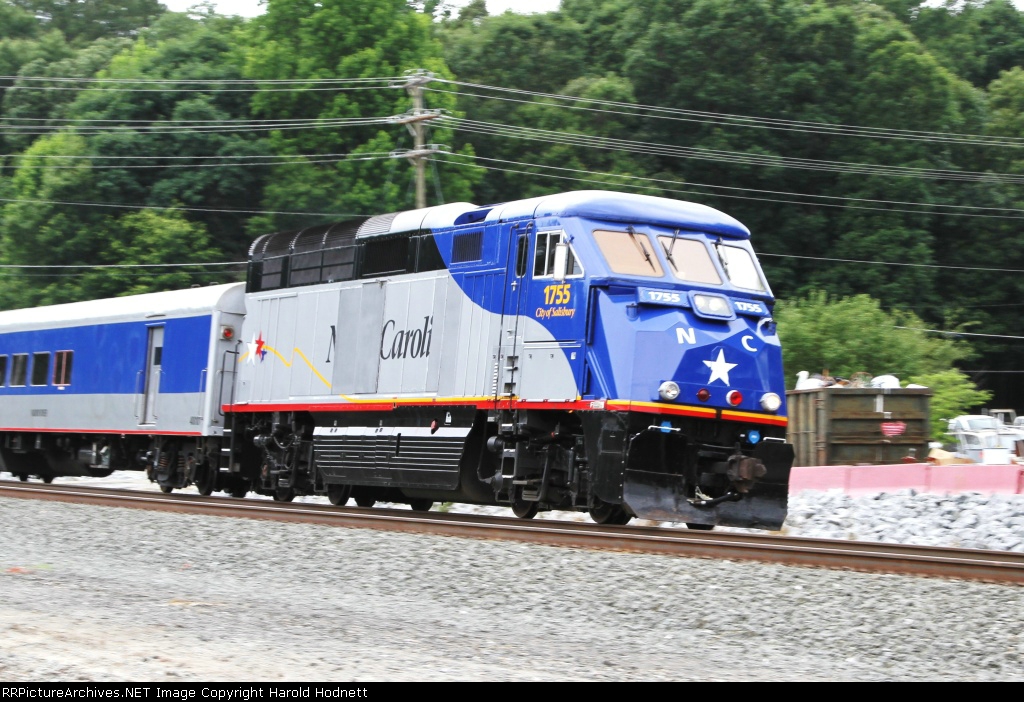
<point x="114" y="85"/>
<point x="719" y="156"/>
<point x="98" y="157"/>
<point x="959" y="333"/>
<point x="844" y="198"/>
<point x="660" y="188"/>
<point x="368" y="156"/>
<point x="124" y="265"/>
<point x="206" y="81"/>
<point x="192" y="90"/>
<point x="992" y="371"/>
<point x="894" y="263"/>
<point x="622" y="108"/>
<point x="132" y="274"/>
<point x="158" y="128"/>
<point x="724" y="119"/>
<point x="176" y="209"/>
<point x="76" y="120"/>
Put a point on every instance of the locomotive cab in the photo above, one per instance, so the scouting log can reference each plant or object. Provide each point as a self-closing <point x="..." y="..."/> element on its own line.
<point x="678" y="366"/>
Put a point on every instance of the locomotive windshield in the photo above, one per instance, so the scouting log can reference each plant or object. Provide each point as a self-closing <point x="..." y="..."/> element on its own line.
<point x="628" y="253"/>
<point x="634" y="254"/>
<point x="689" y="260"/>
<point x="739" y="266"/>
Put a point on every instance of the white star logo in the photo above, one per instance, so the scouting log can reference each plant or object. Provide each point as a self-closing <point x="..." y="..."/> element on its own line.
<point x="719" y="368"/>
<point x="252" y="346"/>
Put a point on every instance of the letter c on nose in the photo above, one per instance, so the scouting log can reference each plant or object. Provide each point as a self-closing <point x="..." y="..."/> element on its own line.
<point x="746" y="344"/>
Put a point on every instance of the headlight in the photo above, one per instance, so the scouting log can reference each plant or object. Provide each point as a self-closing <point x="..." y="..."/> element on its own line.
<point x="770" y="402"/>
<point x="668" y="390"/>
<point x="712" y="306"/>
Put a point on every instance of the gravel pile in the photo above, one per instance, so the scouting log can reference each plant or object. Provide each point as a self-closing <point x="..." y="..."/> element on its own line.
<point x="105" y="594"/>
<point x="966" y="520"/>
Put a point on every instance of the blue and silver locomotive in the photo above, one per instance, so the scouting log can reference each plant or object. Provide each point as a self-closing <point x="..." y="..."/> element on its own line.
<point x="589" y="351"/>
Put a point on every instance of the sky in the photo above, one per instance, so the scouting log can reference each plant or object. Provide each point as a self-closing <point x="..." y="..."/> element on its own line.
<point x="251" y="8"/>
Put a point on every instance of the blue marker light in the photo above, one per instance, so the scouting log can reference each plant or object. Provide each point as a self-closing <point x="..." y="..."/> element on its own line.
<point x="753" y="436"/>
<point x="666" y="427"/>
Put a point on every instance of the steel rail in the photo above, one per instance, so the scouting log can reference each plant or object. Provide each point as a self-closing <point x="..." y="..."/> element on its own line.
<point x="968" y="564"/>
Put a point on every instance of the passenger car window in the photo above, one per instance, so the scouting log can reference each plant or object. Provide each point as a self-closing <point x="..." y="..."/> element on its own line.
<point x="3" y="371"/>
<point x="40" y="368"/>
<point x="19" y="369"/>
<point x="689" y="260"/>
<point x="62" y="367"/>
<point x="628" y="252"/>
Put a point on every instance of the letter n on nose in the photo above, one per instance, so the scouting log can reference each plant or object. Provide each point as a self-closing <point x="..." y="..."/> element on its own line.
<point x="686" y="336"/>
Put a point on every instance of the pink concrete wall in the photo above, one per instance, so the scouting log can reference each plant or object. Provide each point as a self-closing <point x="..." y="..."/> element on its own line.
<point x="923" y="477"/>
<point x="976" y="478"/>
<point x="871" y="479"/>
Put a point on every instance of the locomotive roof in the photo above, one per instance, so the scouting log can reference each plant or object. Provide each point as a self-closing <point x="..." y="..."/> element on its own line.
<point x="591" y="204"/>
<point x="624" y="207"/>
<point x="175" y="303"/>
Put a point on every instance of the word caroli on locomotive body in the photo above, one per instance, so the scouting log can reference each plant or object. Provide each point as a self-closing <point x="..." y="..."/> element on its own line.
<point x="592" y="351"/>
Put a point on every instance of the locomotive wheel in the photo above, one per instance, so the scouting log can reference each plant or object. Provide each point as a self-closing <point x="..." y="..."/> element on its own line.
<point x="700" y="527"/>
<point x="166" y="489"/>
<point x="338" y="495"/>
<point x="205" y="480"/>
<point x="365" y="501"/>
<point x="522" y="508"/>
<point x="23" y="478"/>
<point x="612" y="515"/>
<point x="423" y="505"/>
<point x="284" y="495"/>
<point x="239" y="490"/>
<point x="47" y="479"/>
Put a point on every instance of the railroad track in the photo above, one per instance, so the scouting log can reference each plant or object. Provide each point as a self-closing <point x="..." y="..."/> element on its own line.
<point x="971" y="564"/>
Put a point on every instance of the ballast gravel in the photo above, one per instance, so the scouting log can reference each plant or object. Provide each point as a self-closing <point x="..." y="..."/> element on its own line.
<point x="106" y="594"/>
<point x="965" y="520"/>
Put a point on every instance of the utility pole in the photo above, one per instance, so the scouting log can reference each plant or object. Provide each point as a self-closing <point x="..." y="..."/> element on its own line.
<point x="414" y="121"/>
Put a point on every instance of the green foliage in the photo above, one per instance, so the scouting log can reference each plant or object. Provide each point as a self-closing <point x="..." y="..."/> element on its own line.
<point x="83" y="21"/>
<point x="854" y="334"/>
<point x="37" y="231"/>
<point x="351" y="39"/>
<point x="976" y="39"/>
<point x="953" y="394"/>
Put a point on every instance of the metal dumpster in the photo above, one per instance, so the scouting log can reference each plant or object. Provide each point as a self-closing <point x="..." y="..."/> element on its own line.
<point x="858" y="426"/>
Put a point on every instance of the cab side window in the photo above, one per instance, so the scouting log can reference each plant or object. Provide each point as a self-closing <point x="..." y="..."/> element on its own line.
<point x="544" y="256"/>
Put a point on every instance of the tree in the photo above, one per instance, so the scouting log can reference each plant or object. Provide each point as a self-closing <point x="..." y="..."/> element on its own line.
<point x="854" y="334"/>
<point x="82" y="21"/>
<point x="37" y="229"/>
<point x="336" y="39"/>
<point x="953" y="394"/>
<point x="977" y="39"/>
